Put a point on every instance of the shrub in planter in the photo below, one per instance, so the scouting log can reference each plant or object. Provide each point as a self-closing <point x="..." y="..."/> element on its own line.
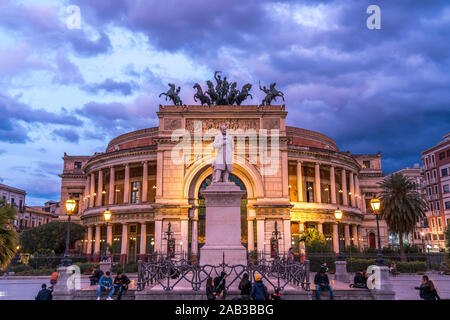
<point x="354" y="264"/>
<point x="131" y="267"/>
<point x="85" y="267"/>
<point x="411" y="267"/>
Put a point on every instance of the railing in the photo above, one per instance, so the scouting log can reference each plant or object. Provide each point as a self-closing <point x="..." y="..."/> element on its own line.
<point x="169" y="273"/>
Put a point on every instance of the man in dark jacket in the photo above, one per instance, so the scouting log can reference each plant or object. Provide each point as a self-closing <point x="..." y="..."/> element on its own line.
<point x="259" y="290"/>
<point x="359" y="281"/>
<point x="44" y="293"/>
<point x="95" y="276"/>
<point x="219" y="285"/>
<point x="322" y="283"/>
<point x="121" y="283"/>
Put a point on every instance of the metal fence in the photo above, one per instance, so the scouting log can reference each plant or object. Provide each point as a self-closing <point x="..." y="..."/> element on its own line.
<point x="169" y="273"/>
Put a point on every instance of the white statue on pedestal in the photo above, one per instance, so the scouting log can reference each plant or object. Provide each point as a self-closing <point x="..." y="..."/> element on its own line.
<point x="223" y="163"/>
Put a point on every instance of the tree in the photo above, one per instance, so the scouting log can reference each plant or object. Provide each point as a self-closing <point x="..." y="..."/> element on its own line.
<point x="402" y="207"/>
<point x="314" y="241"/>
<point x="8" y="235"/>
<point x="51" y="236"/>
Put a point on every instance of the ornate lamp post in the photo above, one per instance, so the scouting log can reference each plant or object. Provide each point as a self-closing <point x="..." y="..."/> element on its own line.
<point x="107" y="216"/>
<point x="70" y="208"/>
<point x="170" y="242"/>
<point x="338" y="215"/>
<point x="375" y="204"/>
<point x="274" y="240"/>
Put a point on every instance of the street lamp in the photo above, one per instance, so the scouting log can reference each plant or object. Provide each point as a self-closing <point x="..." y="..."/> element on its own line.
<point x="338" y="215"/>
<point x="107" y="216"/>
<point x="375" y="204"/>
<point x="70" y="208"/>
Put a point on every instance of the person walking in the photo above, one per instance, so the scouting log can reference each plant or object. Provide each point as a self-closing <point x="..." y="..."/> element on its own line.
<point x="53" y="278"/>
<point x="323" y="283"/>
<point x="44" y="294"/>
<point x="245" y="286"/>
<point x="220" y="285"/>
<point x="427" y="291"/>
<point x="259" y="290"/>
<point x="105" y="284"/>
<point x="210" y="294"/>
<point x="121" y="283"/>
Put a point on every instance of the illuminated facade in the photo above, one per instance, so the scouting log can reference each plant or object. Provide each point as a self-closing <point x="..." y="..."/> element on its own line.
<point x="146" y="187"/>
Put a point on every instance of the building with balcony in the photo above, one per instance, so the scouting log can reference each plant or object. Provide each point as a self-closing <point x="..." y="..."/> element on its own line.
<point x="151" y="179"/>
<point x="436" y="186"/>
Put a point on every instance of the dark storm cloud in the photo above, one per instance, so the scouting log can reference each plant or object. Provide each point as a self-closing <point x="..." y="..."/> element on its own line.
<point x="69" y="135"/>
<point x="14" y="115"/>
<point x="111" y="86"/>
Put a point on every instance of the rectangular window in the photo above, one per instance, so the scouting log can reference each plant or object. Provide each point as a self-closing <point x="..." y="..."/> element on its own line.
<point x="135" y="191"/>
<point x="429" y="191"/>
<point x="438" y="205"/>
<point x="447" y="205"/>
<point x="448" y="153"/>
<point x="431" y="206"/>
<point x="428" y="176"/>
<point x="434" y="174"/>
<point x="439" y="223"/>
<point x="441" y="155"/>
<point x="432" y="158"/>
<point x="446" y="188"/>
<point x="366" y="164"/>
<point x="77" y="165"/>
<point x="435" y="189"/>
<point x="444" y="172"/>
<point x="12" y="201"/>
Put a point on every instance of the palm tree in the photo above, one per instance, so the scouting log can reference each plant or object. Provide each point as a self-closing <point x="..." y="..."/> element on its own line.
<point x="402" y="207"/>
<point x="9" y="238"/>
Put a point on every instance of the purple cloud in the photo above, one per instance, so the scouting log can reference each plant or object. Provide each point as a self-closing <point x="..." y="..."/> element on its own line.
<point x="111" y="86"/>
<point x="69" y="135"/>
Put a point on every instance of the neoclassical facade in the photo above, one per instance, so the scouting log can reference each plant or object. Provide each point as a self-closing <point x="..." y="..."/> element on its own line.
<point x="151" y="179"/>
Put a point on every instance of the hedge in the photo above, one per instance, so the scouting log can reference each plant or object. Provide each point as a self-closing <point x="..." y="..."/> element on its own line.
<point x="131" y="267"/>
<point x="354" y="265"/>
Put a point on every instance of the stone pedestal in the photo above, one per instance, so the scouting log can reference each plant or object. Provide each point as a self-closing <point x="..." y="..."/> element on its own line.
<point x="105" y="266"/>
<point x="341" y="271"/>
<point x="223" y="225"/>
<point x="64" y="289"/>
<point x="381" y="288"/>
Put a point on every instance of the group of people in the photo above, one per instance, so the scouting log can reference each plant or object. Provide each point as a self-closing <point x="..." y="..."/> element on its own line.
<point x="216" y="289"/>
<point x="106" y="284"/>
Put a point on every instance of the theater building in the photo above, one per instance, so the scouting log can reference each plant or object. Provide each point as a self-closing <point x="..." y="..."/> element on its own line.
<point x="151" y="179"/>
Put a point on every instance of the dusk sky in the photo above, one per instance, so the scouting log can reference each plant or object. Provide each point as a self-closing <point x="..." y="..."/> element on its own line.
<point x="73" y="90"/>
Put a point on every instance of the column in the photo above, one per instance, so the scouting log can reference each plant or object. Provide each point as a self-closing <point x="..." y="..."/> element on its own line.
<point x="344" y="188"/>
<point x="123" y="250"/>
<point x="89" y="241"/>
<point x="355" y="235"/>
<point x="352" y="189"/>
<point x="333" y="185"/>
<point x="126" y="184"/>
<point x="97" y="243"/>
<point x="320" y="227"/>
<point x="250" y="236"/>
<point x="144" y="181"/>
<point x="143" y="245"/>
<point x="335" y="238"/>
<point x="184" y="235"/>
<point x="92" y="190"/>
<point x="111" y="185"/>
<point x="260" y="235"/>
<point x="363" y="203"/>
<point x="347" y="235"/>
<point x="100" y="188"/>
<point x="358" y="192"/>
<point x="317" y="193"/>
<point x="299" y="182"/>
<point x="87" y="191"/>
<point x="159" y="173"/>
<point x="287" y="234"/>
<point x="109" y="231"/>
<point x="194" y="235"/>
<point x="158" y="235"/>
